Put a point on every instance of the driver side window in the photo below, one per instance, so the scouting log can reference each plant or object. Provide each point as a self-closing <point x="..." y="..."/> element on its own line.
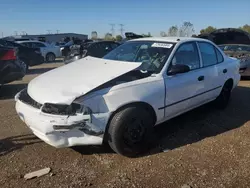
<point x="187" y="54"/>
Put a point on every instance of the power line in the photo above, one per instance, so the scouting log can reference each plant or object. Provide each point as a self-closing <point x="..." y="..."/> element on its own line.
<point x="121" y="29"/>
<point x="112" y="29"/>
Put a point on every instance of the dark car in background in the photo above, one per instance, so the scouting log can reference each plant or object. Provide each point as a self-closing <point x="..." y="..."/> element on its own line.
<point x="94" y="49"/>
<point x="30" y="56"/>
<point x="73" y="46"/>
<point x="235" y="43"/>
<point x="98" y="49"/>
<point x="11" y="67"/>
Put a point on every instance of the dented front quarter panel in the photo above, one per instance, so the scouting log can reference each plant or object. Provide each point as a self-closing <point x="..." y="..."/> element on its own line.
<point x="149" y="90"/>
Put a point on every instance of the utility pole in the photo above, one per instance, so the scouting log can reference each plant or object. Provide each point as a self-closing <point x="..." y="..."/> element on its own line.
<point x="57" y="31"/>
<point x="24" y="32"/>
<point x="112" y="29"/>
<point x="2" y="34"/>
<point x="121" y="29"/>
<point x="48" y="31"/>
<point x="16" y="33"/>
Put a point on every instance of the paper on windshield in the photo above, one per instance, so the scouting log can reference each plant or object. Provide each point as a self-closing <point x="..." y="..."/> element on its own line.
<point x="161" y="45"/>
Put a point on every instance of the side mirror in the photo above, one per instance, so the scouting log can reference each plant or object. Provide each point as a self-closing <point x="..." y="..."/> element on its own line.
<point x="178" y="68"/>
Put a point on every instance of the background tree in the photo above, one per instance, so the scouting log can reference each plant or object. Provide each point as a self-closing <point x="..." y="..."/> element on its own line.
<point x="163" y="34"/>
<point x="108" y="36"/>
<point x="118" y="38"/>
<point x="94" y="35"/>
<point x="173" y="31"/>
<point x="246" y="28"/>
<point x="186" y="30"/>
<point x="209" y="29"/>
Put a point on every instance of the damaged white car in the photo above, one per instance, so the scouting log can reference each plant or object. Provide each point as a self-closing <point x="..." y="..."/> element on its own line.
<point x="121" y="97"/>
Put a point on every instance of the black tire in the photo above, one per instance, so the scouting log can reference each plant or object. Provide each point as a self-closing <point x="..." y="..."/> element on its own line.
<point x="223" y="99"/>
<point x="50" y="57"/>
<point x="131" y="131"/>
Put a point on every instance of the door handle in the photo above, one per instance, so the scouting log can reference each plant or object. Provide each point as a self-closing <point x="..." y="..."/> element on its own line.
<point x="200" y="78"/>
<point x="225" y="71"/>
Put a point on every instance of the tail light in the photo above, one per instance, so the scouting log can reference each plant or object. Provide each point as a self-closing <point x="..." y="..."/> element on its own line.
<point x="10" y="55"/>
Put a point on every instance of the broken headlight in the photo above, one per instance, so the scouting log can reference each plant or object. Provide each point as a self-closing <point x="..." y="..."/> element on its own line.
<point x="62" y="109"/>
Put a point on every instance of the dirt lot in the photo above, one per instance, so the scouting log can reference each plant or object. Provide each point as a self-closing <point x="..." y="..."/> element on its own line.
<point x="203" y="148"/>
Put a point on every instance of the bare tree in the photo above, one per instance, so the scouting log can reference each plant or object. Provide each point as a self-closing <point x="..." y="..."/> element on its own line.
<point x="173" y="31"/>
<point x="186" y="30"/>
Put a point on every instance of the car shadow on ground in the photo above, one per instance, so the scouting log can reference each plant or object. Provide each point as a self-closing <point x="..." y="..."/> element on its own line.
<point x="194" y="126"/>
<point x="10" y="144"/>
<point x="9" y="91"/>
<point x="204" y="122"/>
<point x="89" y="150"/>
<point x="38" y="70"/>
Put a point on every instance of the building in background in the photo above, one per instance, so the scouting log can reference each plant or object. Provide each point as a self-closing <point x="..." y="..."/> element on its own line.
<point x="51" y="38"/>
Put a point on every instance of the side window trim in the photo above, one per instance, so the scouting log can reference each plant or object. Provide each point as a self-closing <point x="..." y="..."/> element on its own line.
<point x="197" y="50"/>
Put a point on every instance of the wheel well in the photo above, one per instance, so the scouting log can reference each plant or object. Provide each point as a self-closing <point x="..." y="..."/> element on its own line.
<point x="50" y="53"/>
<point x="145" y="105"/>
<point x="229" y="83"/>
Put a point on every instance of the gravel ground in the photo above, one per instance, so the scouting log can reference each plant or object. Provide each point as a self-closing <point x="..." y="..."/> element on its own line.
<point x="202" y="148"/>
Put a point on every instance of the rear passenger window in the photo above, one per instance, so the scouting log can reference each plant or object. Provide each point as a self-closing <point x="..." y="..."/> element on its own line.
<point x="208" y="54"/>
<point x="219" y="56"/>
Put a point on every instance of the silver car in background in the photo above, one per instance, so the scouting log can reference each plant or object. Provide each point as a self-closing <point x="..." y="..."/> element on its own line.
<point x="239" y="51"/>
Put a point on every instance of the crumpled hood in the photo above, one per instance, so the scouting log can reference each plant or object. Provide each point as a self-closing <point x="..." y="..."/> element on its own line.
<point x="62" y="85"/>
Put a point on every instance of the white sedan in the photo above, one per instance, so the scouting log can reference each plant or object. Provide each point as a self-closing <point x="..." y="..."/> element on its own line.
<point x="121" y="97"/>
<point x="49" y="52"/>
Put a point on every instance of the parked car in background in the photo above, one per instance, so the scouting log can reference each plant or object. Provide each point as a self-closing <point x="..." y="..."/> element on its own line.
<point x="49" y="52"/>
<point x="241" y="52"/>
<point x="121" y="97"/>
<point x="30" y="56"/>
<point x="11" y="68"/>
<point x="94" y="49"/>
<point x="72" y="46"/>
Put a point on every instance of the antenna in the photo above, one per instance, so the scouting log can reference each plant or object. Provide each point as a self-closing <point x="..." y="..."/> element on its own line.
<point x="112" y="29"/>
<point x="121" y="29"/>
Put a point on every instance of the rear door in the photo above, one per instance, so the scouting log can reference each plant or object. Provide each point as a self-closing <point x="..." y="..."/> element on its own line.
<point x="214" y="69"/>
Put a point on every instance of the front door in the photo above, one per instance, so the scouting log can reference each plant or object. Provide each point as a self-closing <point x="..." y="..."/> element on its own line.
<point x="183" y="89"/>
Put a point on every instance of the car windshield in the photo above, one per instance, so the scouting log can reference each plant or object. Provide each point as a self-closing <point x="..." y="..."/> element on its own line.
<point x="151" y="54"/>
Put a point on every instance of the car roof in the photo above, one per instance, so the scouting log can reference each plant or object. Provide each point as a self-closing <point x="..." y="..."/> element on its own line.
<point x="171" y="39"/>
<point x="26" y="41"/>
